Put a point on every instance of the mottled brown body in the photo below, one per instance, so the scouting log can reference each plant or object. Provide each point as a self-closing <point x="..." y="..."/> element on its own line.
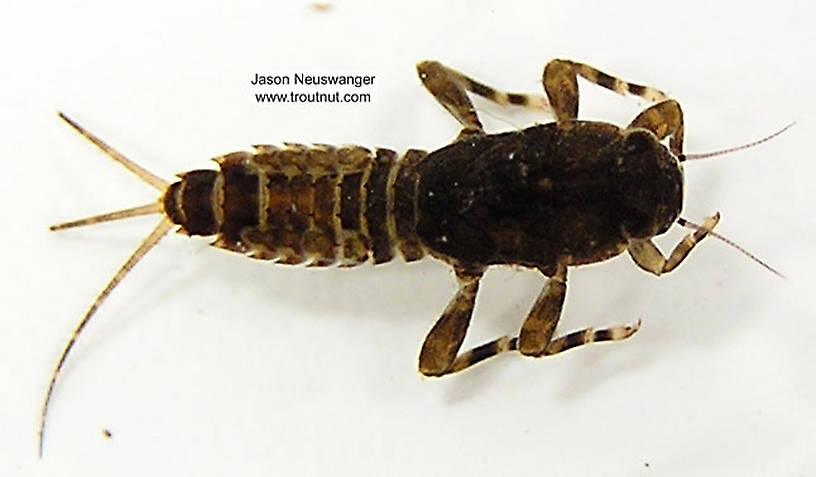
<point x="548" y="197"/>
<point x="318" y="205"/>
<point x="569" y="193"/>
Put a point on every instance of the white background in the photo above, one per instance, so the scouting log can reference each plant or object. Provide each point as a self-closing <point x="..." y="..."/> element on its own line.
<point x="206" y="363"/>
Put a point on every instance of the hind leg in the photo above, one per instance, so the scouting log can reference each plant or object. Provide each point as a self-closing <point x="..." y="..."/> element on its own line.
<point x="536" y="337"/>
<point x="450" y="88"/>
<point x="445" y="338"/>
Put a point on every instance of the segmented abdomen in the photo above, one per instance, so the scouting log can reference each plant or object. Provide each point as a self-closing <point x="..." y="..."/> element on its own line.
<point x="320" y="205"/>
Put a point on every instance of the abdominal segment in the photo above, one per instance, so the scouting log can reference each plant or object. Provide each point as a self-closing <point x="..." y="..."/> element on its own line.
<point x="318" y="205"/>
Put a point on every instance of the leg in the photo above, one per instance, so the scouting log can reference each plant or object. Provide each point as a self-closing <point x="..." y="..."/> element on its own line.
<point x="590" y="335"/>
<point x="558" y="345"/>
<point x="445" y="338"/>
<point x="647" y="256"/>
<point x="561" y="84"/>
<point x="537" y="330"/>
<point x="663" y="119"/>
<point x="449" y="87"/>
<point x="536" y="334"/>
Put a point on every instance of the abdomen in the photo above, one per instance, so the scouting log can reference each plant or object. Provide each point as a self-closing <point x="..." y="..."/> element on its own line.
<point x="319" y="205"/>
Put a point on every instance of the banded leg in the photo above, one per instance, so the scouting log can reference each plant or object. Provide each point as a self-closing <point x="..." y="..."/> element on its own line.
<point x="561" y="85"/>
<point x="449" y="87"/>
<point x="539" y="326"/>
<point x="648" y="257"/>
<point x="558" y="345"/>
<point x="536" y="337"/>
<point x="663" y="119"/>
<point x="445" y="338"/>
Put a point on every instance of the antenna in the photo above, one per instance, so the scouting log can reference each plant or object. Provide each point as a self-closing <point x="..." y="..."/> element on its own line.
<point x="704" y="155"/>
<point x="692" y="225"/>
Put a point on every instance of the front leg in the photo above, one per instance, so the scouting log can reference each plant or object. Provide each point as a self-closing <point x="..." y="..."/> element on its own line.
<point x="664" y="119"/>
<point x="647" y="256"/>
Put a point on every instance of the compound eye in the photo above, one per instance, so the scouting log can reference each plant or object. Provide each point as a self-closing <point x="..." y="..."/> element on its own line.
<point x="638" y="142"/>
<point x="639" y="224"/>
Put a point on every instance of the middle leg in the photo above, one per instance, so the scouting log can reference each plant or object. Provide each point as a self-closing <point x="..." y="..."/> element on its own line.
<point x="536" y="337"/>
<point x="561" y="84"/>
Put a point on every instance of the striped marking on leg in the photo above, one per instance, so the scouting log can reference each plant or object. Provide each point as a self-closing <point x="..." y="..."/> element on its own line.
<point x="615" y="84"/>
<point x="466" y="83"/>
<point x="483" y="352"/>
<point x="590" y="335"/>
<point x="532" y="101"/>
<point x="558" y="345"/>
